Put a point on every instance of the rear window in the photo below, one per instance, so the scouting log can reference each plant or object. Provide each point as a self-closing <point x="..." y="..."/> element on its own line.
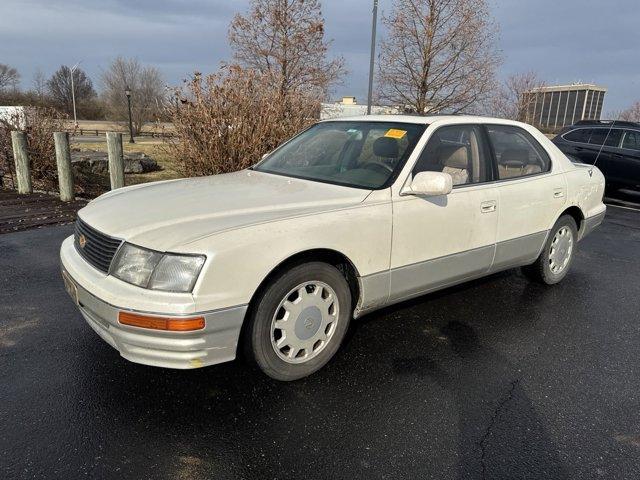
<point x="580" y="135"/>
<point x="610" y="137"/>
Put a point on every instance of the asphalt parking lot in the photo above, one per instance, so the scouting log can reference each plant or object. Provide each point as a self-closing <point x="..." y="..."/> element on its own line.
<point x="499" y="378"/>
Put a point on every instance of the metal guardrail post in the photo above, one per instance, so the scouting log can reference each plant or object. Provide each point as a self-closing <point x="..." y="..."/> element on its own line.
<point x="21" y="158"/>
<point x="116" y="159"/>
<point x="63" y="160"/>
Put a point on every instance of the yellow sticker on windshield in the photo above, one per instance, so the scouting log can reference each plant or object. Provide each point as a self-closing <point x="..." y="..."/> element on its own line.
<point x="395" y="133"/>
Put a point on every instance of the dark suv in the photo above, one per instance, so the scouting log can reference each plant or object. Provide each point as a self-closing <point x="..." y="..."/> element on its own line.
<point x="617" y="142"/>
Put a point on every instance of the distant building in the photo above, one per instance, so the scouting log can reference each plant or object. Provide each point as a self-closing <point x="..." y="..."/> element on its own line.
<point x="558" y="106"/>
<point x="349" y="107"/>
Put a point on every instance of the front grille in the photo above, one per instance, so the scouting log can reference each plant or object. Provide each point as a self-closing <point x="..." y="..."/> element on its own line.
<point x="98" y="248"/>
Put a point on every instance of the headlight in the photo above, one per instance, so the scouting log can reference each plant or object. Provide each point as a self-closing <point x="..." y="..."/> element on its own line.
<point x="149" y="269"/>
<point x="176" y="273"/>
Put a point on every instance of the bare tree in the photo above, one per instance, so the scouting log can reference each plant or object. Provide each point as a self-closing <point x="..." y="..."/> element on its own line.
<point x="59" y="88"/>
<point x="439" y="55"/>
<point x="284" y="39"/>
<point x="147" y="91"/>
<point x="39" y="83"/>
<point x="9" y="77"/>
<point x="514" y="99"/>
<point x="631" y="114"/>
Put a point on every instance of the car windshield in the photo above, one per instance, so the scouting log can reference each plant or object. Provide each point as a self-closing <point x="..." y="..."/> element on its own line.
<point x="355" y="154"/>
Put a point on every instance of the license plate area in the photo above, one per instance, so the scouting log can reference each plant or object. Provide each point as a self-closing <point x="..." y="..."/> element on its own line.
<point x="70" y="287"/>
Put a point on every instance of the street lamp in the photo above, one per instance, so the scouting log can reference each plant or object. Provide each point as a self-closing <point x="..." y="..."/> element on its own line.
<point x="73" y="94"/>
<point x="127" y="92"/>
<point x="373" y="54"/>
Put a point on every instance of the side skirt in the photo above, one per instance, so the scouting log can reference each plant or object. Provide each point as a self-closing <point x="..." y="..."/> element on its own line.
<point x="394" y="286"/>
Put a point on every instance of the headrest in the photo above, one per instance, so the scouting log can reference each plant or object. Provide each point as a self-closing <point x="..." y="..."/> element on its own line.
<point x="453" y="156"/>
<point x="386" y="147"/>
<point x="514" y="157"/>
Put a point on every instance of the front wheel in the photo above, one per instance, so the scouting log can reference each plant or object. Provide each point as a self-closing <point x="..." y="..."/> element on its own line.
<point x="557" y="254"/>
<point x="299" y="321"/>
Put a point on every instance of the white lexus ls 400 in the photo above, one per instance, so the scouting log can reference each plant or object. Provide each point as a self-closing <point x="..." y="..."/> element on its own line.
<point x="347" y="217"/>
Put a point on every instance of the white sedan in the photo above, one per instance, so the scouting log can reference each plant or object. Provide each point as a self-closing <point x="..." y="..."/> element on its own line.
<point x="347" y="217"/>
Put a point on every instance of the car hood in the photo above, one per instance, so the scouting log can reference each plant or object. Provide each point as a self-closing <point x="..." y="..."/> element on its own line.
<point x="167" y="215"/>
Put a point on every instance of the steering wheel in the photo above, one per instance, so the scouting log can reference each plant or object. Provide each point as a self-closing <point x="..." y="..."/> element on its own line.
<point x="377" y="166"/>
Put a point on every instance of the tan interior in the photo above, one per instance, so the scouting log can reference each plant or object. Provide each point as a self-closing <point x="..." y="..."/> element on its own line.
<point x="455" y="162"/>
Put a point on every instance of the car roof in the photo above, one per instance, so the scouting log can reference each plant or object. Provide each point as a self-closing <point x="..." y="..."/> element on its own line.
<point x="425" y="119"/>
<point x="606" y="123"/>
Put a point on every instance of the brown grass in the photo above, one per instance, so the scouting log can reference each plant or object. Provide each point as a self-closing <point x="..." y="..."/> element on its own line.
<point x="157" y="150"/>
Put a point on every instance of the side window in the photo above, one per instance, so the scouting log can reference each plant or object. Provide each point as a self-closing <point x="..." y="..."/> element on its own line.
<point x="631" y="140"/>
<point x="517" y="152"/>
<point x="457" y="150"/>
<point x="580" y="135"/>
<point x="603" y="135"/>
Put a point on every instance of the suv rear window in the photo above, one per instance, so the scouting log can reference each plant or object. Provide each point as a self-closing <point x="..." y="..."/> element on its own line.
<point x="610" y="137"/>
<point x="579" y="135"/>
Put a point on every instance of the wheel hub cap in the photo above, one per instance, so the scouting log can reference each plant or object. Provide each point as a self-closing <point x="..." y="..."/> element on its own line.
<point x="308" y="323"/>
<point x="304" y="322"/>
<point x="560" y="250"/>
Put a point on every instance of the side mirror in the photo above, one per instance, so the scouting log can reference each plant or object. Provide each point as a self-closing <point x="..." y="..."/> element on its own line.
<point x="430" y="184"/>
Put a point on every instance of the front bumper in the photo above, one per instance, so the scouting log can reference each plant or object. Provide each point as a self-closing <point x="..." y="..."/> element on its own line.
<point x="215" y="343"/>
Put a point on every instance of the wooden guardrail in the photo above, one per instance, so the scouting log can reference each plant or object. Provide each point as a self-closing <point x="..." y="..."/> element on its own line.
<point x="63" y="162"/>
<point x="98" y="133"/>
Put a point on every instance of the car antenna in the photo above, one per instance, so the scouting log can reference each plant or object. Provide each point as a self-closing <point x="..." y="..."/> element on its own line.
<point x="603" y="143"/>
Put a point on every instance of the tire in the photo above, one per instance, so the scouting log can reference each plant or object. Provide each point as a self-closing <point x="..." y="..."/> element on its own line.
<point x="311" y="303"/>
<point x="548" y="267"/>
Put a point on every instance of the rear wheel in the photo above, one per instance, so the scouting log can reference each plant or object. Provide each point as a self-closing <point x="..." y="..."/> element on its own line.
<point x="557" y="255"/>
<point x="299" y="321"/>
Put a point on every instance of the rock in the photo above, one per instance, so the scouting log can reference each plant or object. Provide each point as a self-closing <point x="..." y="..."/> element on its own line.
<point x="93" y="161"/>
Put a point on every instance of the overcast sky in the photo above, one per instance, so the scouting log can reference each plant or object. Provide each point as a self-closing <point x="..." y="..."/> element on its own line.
<point x="563" y="40"/>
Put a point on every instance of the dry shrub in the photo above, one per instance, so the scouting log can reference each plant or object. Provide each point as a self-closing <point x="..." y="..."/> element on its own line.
<point x="228" y="120"/>
<point x="39" y="125"/>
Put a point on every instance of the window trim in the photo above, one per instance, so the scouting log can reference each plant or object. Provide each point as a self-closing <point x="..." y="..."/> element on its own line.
<point x="495" y="158"/>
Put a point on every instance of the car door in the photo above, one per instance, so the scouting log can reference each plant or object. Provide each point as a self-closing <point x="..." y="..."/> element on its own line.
<point x="531" y="195"/>
<point x="605" y="143"/>
<point x="625" y="161"/>
<point x="442" y="240"/>
<point x="576" y="144"/>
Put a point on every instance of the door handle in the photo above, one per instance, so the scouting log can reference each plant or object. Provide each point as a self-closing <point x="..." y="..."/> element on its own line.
<point x="488" y="206"/>
<point x="616" y="155"/>
<point x="579" y="149"/>
<point x="558" y="193"/>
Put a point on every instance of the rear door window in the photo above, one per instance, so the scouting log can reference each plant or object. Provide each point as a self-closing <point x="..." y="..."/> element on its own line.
<point x="517" y="152"/>
<point x="608" y="137"/>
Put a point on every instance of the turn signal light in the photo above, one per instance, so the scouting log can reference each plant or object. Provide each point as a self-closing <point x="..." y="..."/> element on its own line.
<point x="161" y="323"/>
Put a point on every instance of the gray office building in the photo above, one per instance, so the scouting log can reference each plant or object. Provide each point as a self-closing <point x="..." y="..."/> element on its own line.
<point x="552" y="108"/>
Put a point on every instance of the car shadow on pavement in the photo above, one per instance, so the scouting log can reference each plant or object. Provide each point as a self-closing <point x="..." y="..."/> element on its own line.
<point x="384" y="407"/>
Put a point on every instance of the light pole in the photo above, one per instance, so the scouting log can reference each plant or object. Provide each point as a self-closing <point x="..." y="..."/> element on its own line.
<point x="73" y="94"/>
<point x="374" y="24"/>
<point x="127" y="92"/>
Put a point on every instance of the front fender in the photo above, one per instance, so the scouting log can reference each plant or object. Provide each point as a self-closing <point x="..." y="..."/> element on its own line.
<point x="240" y="260"/>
